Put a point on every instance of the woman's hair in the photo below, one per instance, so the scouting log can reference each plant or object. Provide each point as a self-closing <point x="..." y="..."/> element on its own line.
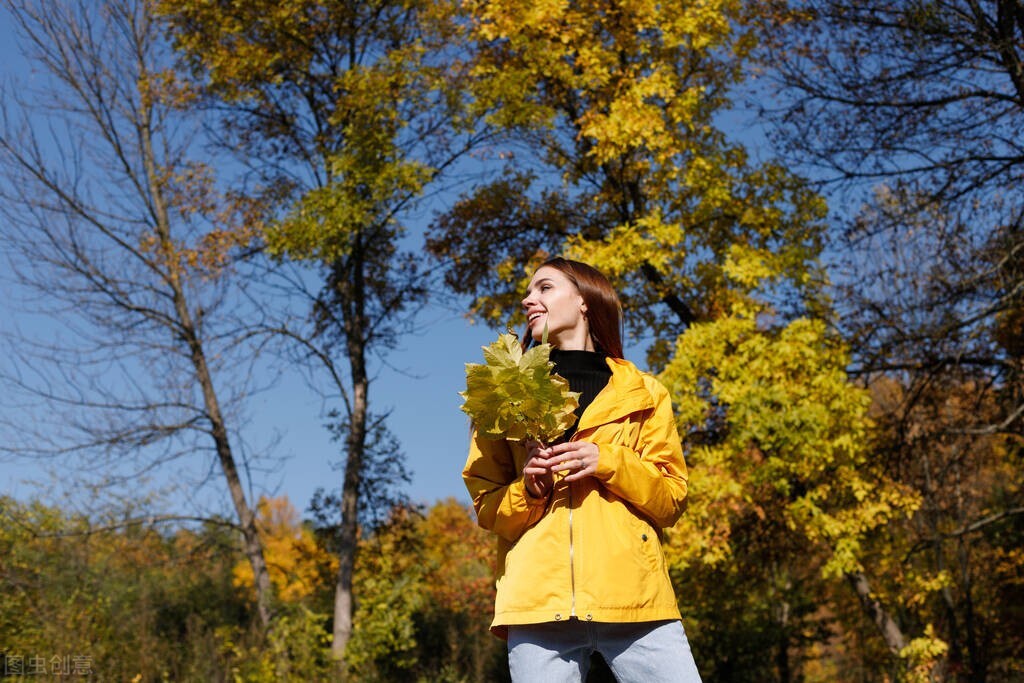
<point x="604" y="311"/>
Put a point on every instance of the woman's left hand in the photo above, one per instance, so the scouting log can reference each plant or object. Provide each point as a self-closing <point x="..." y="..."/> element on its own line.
<point x="577" y="458"/>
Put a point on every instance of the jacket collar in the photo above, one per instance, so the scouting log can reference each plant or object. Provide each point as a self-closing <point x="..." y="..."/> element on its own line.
<point x="625" y="393"/>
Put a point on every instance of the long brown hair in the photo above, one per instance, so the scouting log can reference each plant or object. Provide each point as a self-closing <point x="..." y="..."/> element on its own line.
<point x="604" y="311"/>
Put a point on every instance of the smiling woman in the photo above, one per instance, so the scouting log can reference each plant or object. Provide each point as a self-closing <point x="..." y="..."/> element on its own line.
<point x="580" y="564"/>
<point x="566" y="287"/>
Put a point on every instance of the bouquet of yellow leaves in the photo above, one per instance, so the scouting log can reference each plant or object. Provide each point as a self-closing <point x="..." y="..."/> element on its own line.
<point x="515" y="395"/>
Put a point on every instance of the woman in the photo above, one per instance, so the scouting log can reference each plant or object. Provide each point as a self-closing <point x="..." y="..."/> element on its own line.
<point x="580" y="564"/>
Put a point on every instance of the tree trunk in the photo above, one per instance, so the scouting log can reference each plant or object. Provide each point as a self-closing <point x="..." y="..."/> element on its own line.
<point x="253" y="545"/>
<point x="348" y="533"/>
<point x="189" y="334"/>
<point x="351" y="292"/>
<point x="888" y="627"/>
<point x="782" y="663"/>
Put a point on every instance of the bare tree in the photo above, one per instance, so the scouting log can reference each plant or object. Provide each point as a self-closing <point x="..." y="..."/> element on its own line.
<point x="112" y="225"/>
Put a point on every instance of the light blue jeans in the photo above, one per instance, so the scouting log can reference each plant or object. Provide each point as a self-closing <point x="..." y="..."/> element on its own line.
<point x="559" y="652"/>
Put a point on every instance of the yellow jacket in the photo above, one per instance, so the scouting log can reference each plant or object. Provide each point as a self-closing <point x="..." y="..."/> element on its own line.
<point x="592" y="549"/>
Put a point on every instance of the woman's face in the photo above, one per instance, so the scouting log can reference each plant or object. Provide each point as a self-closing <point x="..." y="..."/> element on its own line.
<point x="553" y="300"/>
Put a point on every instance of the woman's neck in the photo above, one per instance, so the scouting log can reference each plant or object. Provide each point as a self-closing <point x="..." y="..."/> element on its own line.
<point x="575" y="342"/>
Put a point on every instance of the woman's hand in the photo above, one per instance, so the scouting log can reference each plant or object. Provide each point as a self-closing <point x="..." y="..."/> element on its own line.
<point x="537" y="472"/>
<point x="577" y="458"/>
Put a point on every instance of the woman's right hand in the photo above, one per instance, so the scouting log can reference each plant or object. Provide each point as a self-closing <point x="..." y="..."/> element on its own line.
<point x="537" y="472"/>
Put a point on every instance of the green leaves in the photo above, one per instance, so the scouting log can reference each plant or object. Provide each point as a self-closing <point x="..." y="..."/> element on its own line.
<point x="515" y="395"/>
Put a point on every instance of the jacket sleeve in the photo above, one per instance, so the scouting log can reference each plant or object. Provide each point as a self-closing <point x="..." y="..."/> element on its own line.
<point x="653" y="479"/>
<point x="496" y="486"/>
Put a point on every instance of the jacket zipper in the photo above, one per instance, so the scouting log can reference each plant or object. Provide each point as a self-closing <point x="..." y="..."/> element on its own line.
<point x="572" y="571"/>
<point x="572" y="565"/>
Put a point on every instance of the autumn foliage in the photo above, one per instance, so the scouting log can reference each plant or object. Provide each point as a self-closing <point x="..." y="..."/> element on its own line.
<point x="812" y="211"/>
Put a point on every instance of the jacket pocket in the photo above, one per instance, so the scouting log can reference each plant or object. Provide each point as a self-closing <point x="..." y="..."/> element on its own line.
<point x="647" y="544"/>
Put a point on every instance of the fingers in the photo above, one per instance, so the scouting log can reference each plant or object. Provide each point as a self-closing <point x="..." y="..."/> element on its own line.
<point x="577" y="459"/>
<point x="575" y="469"/>
<point x="537" y="471"/>
<point x="538" y="487"/>
<point x="537" y="477"/>
<point x="537" y="464"/>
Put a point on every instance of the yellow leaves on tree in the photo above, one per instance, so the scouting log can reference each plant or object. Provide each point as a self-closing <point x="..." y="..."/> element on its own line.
<point x="775" y="428"/>
<point x="613" y="51"/>
<point x="620" y="100"/>
<point x="164" y="87"/>
<point x="244" y="40"/>
<point x="921" y="655"/>
<point x="304" y="89"/>
<point x="327" y="222"/>
<point x="298" y="565"/>
<point x="213" y="224"/>
<point x="648" y="240"/>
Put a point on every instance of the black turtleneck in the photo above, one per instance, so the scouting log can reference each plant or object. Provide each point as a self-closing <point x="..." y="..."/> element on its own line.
<point x="586" y="371"/>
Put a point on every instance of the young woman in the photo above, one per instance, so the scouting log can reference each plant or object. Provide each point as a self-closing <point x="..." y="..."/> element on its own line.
<point x="580" y="564"/>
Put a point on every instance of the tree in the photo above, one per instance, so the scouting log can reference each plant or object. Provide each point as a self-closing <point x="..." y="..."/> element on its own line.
<point x="949" y="565"/>
<point x="344" y="113"/>
<point x="783" y="484"/>
<point x="113" y="227"/>
<point x="915" y="111"/>
<point x="108" y="595"/>
<point x="609" y="111"/>
<point x="459" y="564"/>
<point x="925" y="125"/>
